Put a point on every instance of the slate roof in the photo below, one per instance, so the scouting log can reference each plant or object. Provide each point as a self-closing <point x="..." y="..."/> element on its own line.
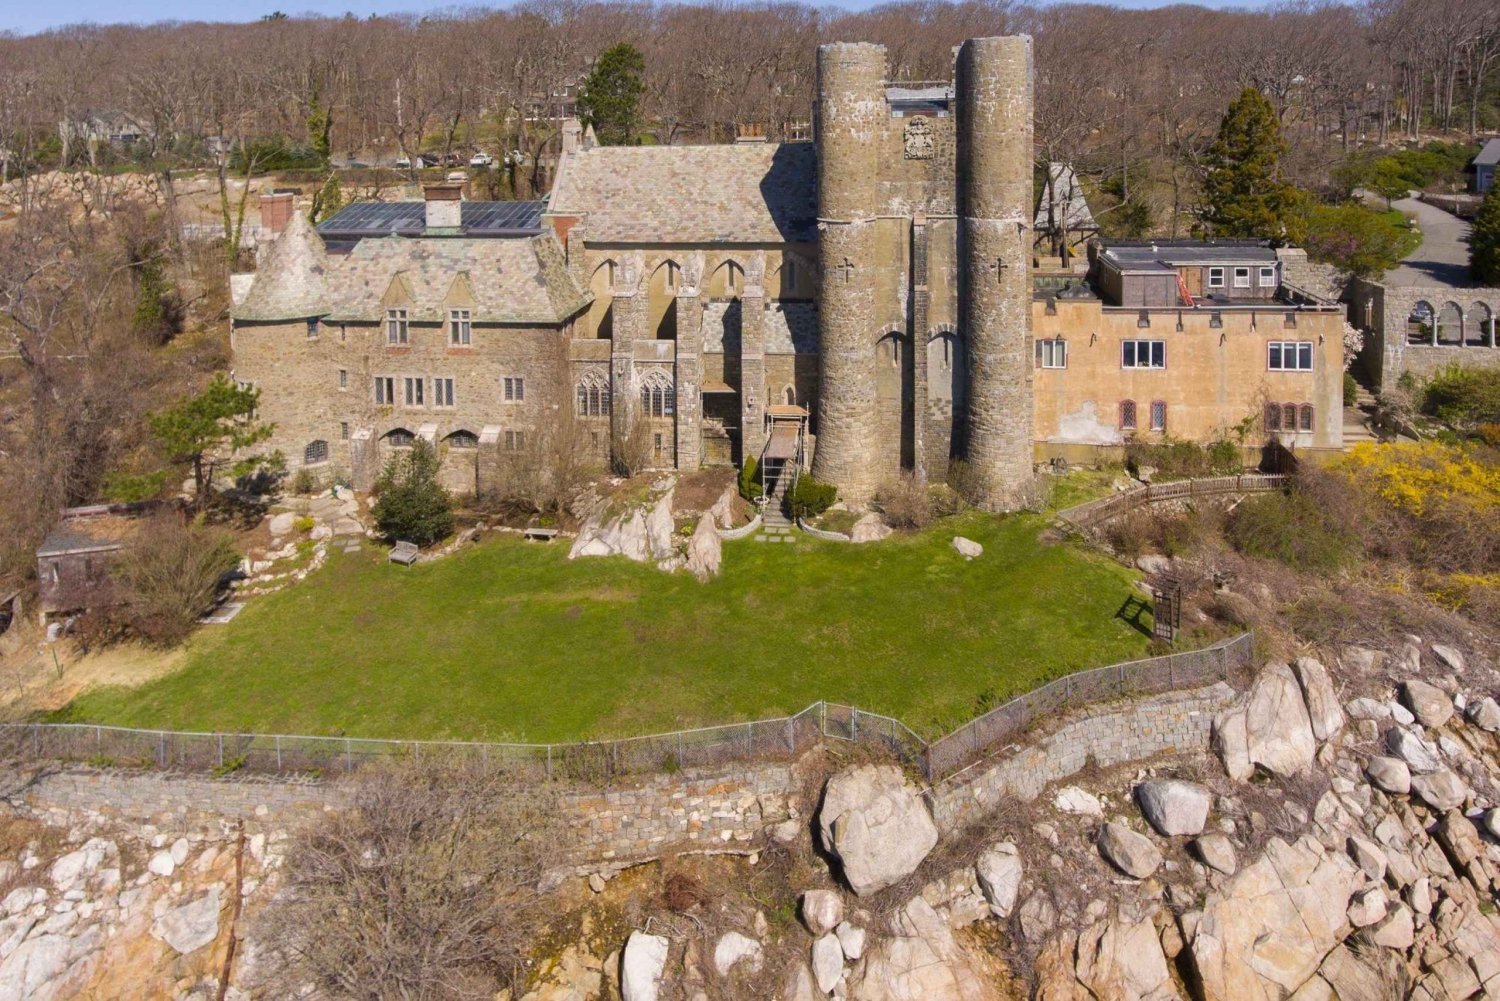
<point x="1489" y="155"/>
<point x="741" y="193"/>
<point x="522" y="281"/>
<point x="291" y="282"/>
<point x="99" y="533"/>
<point x="1070" y="208"/>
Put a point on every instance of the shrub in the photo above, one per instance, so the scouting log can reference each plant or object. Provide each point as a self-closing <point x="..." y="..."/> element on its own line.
<point x="1463" y="398"/>
<point x="1351" y="390"/>
<point x="905" y="502"/>
<point x="1224" y="457"/>
<point x="303" y="482"/>
<point x="967" y="481"/>
<point x="171" y="574"/>
<point x="303" y="525"/>
<point x="811" y="498"/>
<point x="412" y="506"/>
<point x="1297" y="529"/>
<point x="750" y="488"/>
<point x="1176" y="458"/>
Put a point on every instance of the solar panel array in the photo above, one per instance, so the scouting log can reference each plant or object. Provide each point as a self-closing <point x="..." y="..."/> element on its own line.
<point x="362" y="219"/>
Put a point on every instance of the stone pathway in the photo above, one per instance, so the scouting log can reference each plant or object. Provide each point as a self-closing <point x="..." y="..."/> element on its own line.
<point x="775" y="525"/>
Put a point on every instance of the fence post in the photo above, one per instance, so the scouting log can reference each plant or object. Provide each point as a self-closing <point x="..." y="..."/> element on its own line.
<point x="219" y="739"/>
<point x="749" y="741"/>
<point x="549" y="762"/>
<point x="679" y="750"/>
<point x="348" y="755"/>
<point x="854" y="725"/>
<point x="278" y="752"/>
<point x="161" y="751"/>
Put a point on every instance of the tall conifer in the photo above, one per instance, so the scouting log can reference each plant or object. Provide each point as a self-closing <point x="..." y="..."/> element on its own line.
<point x="1245" y="192"/>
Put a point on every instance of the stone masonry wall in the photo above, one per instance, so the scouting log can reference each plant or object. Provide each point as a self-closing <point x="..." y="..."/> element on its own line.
<point x="1176" y="723"/>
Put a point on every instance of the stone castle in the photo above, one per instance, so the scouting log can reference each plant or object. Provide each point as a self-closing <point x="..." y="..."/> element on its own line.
<point x="858" y="305"/>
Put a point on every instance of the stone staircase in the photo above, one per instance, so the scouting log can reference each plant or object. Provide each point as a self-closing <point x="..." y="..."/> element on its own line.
<point x="1358" y="418"/>
<point x="775" y="524"/>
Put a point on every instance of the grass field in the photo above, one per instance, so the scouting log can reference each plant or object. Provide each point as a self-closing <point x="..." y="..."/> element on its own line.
<point x="509" y="641"/>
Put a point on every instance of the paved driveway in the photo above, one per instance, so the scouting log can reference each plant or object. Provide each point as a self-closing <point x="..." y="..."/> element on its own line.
<point x="1443" y="257"/>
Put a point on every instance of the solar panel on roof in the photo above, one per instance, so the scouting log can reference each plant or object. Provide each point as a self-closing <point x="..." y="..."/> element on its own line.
<point x="362" y="219"/>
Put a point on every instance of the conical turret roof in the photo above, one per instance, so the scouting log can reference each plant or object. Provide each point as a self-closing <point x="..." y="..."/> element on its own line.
<point x="292" y="282"/>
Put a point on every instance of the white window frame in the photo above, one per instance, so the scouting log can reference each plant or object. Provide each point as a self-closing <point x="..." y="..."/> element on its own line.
<point x="1215" y="277"/>
<point x="1134" y="346"/>
<point x="410" y="383"/>
<point x="1242" y="273"/>
<point x="385" y="390"/>
<point x="397" y="328"/>
<point x="443" y="393"/>
<point x="513" y="389"/>
<point x="1052" y="352"/>
<point x="1268" y="277"/>
<point x="460" y="328"/>
<point x="1276" y="352"/>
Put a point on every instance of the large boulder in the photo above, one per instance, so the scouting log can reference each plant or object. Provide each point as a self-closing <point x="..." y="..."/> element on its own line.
<point x="999" y="872"/>
<point x="1420" y="756"/>
<point x="1389" y="775"/>
<point x="1323" y="708"/>
<point x="641" y="966"/>
<point x="1131" y="853"/>
<point x="705" y="549"/>
<point x="1266" y="931"/>
<point x="1174" y="807"/>
<point x="660" y="526"/>
<point x="192" y="926"/>
<point x="869" y="529"/>
<point x="1268" y="726"/>
<point x="1121" y="959"/>
<point x="1484" y="713"/>
<point x="827" y="962"/>
<point x="875" y="822"/>
<point x="1428" y="703"/>
<point x="920" y="961"/>
<point x="1441" y="790"/>
<point x="967" y="548"/>
<point x="1217" y="852"/>
<point x="822" y="910"/>
<point x="734" y="948"/>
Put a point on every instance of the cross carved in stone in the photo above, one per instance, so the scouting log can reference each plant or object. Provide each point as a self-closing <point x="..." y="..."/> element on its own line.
<point x="999" y="268"/>
<point x="847" y="268"/>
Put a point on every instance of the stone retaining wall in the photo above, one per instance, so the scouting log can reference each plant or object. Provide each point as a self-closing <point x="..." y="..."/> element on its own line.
<point x="1176" y="723"/>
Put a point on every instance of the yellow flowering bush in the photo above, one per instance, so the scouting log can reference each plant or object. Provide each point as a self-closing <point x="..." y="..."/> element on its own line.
<point x="1419" y="477"/>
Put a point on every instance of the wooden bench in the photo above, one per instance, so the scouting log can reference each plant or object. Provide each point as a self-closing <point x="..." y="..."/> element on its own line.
<point x="404" y="553"/>
<point x="537" y="534"/>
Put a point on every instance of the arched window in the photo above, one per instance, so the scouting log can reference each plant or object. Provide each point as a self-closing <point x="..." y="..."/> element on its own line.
<point x="1127" y="415"/>
<point x="658" y="396"/>
<point x="727" y="281"/>
<point x="1305" y="417"/>
<point x="1273" y="417"/>
<point x="1419" y="325"/>
<point x="593" y="395"/>
<point x="790" y="396"/>
<point x="315" y="452"/>
<point x="399" y="438"/>
<point x="1450" y="324"/>
<point x="462" y="439"/>
<point x="1289" y="417"/>
<point x="1159" y="415"/>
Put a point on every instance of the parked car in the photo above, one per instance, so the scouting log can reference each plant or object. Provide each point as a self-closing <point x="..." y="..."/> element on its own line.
<point x="481" y="160"/>
<point x="403" y="161"/>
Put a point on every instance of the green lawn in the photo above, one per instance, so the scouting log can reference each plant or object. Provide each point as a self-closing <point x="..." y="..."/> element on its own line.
<point x="509" y="641"/>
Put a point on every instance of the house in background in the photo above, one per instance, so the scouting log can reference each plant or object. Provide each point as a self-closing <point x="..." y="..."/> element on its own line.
<point x="1483" y="167"/>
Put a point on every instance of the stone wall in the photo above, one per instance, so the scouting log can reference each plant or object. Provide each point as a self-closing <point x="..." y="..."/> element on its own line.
<point x="1177" y="723"/>
<point x="1381" y="311"/>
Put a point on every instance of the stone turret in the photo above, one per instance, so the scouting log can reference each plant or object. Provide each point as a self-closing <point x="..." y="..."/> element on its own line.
<point x="851" y="107"/>
<point x="994" y="96"/>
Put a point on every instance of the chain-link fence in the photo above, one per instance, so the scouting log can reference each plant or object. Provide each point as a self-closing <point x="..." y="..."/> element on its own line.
<point x="1004" y="724"/>
<point x="599" y="761"/>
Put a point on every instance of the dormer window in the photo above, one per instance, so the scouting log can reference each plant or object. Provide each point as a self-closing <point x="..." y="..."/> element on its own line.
<point x="397" y="327"/>
<point x="460" y="329"/>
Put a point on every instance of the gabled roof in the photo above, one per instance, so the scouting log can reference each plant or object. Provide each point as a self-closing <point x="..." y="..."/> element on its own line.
<point x="751" y="192"/>
<point x="1489" y="155"/>
<point x="521" y="281"/>
<point x="291" y="283"/>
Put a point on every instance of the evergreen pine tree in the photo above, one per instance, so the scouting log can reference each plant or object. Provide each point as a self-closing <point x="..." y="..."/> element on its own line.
<point x="1244" y="189"/>
<point x="610" y="97"/>
<point x="1484" y="240"/>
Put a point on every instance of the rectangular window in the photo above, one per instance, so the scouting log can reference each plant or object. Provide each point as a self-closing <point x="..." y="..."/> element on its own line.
<point x="1215" y="277"/>
<point x="1267" y="277"/>
<point x="312" y="329"/>
<point x="414" y="394"/>
<point x="396" y="326"/>
<point x="344" y="430"/>
<point x="385" y="391"/>
<point x="514" y="389"/>
<point x="1241" y="277"/>
<point x="515" y="441"/>
<point x="460" y="331"/>
<point x="1159" y="415"/>
<point x="1143" y="354"/>
<point x="343" y="378"/>
<point x="442" y="392"/>
<point x="1052" y="353"/>
<point x="657" y="443"/>
<point x="1127" y="415"/>
<point x="1289" y="356"/>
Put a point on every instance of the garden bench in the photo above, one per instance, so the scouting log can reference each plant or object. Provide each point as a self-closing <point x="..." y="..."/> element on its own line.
<point x="538" y="534"/>
<point x="404" y="553"/>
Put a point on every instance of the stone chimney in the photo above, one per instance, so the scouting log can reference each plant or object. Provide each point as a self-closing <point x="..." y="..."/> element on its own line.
<point x="444" y="206"/>
<point x="572" y="136"/>
<point x="276" y="209"/>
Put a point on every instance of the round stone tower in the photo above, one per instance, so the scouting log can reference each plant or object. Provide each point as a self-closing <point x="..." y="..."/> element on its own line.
<point x="850" y="112"/>
<point x="994" y="158"/>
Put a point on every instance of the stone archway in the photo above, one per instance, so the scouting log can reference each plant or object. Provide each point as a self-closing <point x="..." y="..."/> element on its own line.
<point x="894" y="404"/>
<point x="947" y="395"/>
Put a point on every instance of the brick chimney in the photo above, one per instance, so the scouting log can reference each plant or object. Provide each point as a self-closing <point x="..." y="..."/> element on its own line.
<point x="444" y="205"/>
<point x="276" y="209"/>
